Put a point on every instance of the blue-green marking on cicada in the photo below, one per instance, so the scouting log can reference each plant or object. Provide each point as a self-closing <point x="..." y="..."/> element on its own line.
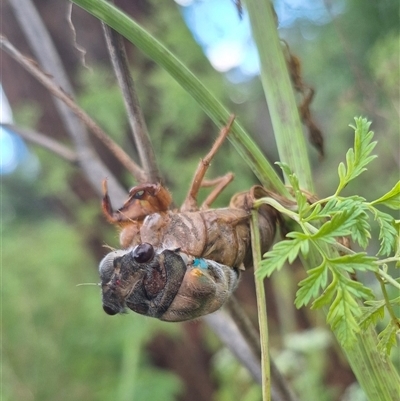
<point x="200" y="263"/>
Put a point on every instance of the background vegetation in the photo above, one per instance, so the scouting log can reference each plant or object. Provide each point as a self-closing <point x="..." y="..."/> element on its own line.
<point x="58" y="342"/>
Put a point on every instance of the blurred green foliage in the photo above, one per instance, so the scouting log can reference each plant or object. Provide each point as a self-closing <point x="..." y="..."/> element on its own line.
<point x="226" y="367"/>
<point x="353" y="64"/>
<point x="58" y="343"/>
<point x="101" y="97"/>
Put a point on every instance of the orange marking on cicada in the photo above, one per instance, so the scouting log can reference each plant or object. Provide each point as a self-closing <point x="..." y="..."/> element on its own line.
<point x="197" y="273"/>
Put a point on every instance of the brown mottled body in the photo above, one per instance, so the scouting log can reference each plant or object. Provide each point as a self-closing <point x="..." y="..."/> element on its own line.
<point x="222" y="235"/>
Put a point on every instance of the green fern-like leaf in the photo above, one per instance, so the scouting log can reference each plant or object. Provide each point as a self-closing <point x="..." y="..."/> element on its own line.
<point x="310" y="286"/>
<point x="294" y="182"/>
<point x="390" y="199"/>
<point x="357" y="261"/>
<point x="387" y="232"/>
<point x="372" y="313"/>
<point x="344" y="311"/>
<point x="388" y="338"/>
<point x="339" y="204"/>
<point x="343" y="315"/>
<point x="357" y="160"/>
<point x="339" y="226"/>
<point x="326" y="297"/>
<point x="361" y="230"/>
<point x="357" y="290"/>
<point x="302" y="204"/>
<point x="315" y="214"/>
<point x="276" y="258"/>
<point x="359" y="157"/>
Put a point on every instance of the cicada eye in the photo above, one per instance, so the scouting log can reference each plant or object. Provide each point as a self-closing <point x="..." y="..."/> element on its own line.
<point x="138" y="194"/>
<point x="109" y="310"/>
<point x="143" y="253"/>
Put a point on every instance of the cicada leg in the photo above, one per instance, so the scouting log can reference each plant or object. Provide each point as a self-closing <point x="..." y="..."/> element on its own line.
<point x="190" y="203"/>
<point x="220" y="184"/>
<point x="143" y="200"/>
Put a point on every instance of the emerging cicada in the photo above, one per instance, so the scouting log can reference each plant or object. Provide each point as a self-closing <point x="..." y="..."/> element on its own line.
<point x="179" y="265"/>
<point x="169" y="285"/>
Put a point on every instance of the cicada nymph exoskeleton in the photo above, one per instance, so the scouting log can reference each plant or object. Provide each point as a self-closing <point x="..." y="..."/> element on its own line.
<point x="178" y="265"/>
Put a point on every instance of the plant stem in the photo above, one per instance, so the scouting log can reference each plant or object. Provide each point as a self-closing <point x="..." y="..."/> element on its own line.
<point x="387" y="260"/>
<point x="387" y="301"/>
<point x="262" y="309"/>
<point x="388" y="278"/>
<point x="119" y="59"/>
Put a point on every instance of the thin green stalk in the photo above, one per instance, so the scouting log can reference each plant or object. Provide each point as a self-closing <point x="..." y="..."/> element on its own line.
<point x="388" y="278"/>
<point x="387" y="260"/>
<point x="389" y="308"/>
<point x="132" y="31"/>
<point x="262" y="309"/>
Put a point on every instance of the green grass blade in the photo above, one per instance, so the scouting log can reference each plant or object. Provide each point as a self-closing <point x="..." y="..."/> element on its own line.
<point x="279" y="93"/>
<point x="245" y="146"/>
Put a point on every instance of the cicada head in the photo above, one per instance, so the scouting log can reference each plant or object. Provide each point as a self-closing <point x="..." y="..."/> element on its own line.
<point x="141" y="280"/>
<point x="166" y="284"/>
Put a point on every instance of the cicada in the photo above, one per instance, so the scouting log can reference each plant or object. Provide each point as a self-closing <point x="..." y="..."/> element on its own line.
<point x="168" y="284"/>
<point x="178" y="265"/>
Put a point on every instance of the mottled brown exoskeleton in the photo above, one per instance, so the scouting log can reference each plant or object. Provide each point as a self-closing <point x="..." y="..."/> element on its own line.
<point x="180" y="264"/>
